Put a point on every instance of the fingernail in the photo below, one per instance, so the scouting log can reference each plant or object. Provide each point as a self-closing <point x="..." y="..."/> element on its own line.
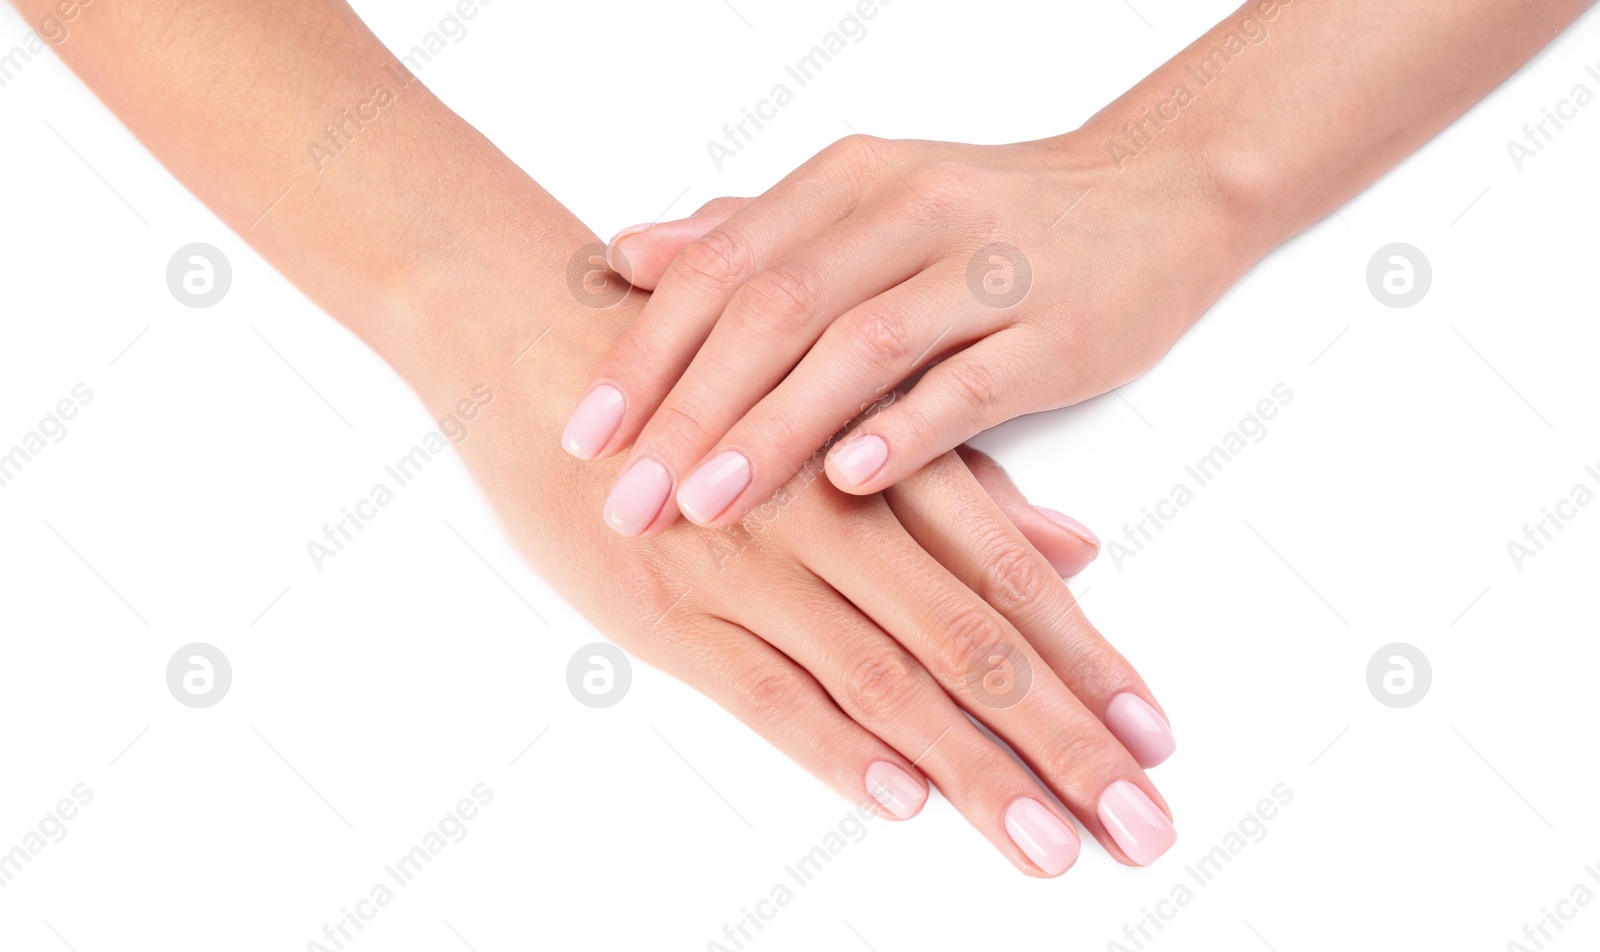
<point x="895" y="790"/>
<point x="709" y="489"/>
<point x="1048" y="840"/>
<point x="617" y="262"/>
<point x="637" y="497"/>
<point x="1144" y="732"/>
<point x="593" y="422"/>
<point x="1071" y="525"/>
<point x="859" y="460"/>
<point x="1136" y="823"/>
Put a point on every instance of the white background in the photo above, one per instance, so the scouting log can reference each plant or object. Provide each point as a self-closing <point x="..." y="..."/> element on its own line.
<point x="371" y="696"/>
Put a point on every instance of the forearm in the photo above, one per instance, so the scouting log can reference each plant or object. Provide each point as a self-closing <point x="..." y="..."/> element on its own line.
<point x="1290" y="109"/>
<point x="305" y="135"/>
<point x="418" y="234"/>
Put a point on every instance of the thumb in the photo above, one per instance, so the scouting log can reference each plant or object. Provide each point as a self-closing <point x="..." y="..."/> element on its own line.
<point x="641" y="253"/>
<point x="1065" y="542"/>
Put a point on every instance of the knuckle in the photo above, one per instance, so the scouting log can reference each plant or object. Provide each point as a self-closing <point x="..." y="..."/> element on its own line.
<point x="969" y="632"/>
<point x="920" y="416"/>
<point x="853" y="164"/>
<point x="975" y="383"/>
<point x="856" y="152"/>
<point x="676" y="642"/>
<point x="719" y="256"/>
<point x="781" y="297"/>
<point x="884" y="339"/>
<point x="649" y="596"/>
<point x="673" y="425"/>
<point x="981" y="463"/>
<point x="943" y="188"/>
<point x="1085" y="754"/>
<point x="1013" y="576"/>
<point x="777" y="433"/>
<point x="851" y="143"/>
<point x="720" y="207"/>
<point x="880" y="683"/>
<point x="769" y="695"/>
<point x="981" y="223"/>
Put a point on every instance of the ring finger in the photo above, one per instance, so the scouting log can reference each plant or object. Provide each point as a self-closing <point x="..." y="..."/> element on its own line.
<point x="982" y="661"/>
<point x="891" y="694"/>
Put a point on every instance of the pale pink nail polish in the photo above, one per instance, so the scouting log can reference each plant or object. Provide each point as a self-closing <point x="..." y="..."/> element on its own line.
<point x="638" y="496"/>
<point x="1071" y="525"/>
<point x="1048" y="840"/>
<point x="859" y="460"/>
<point x="617" y="262"/>
<point x="895" y="790"/>
<point x="1136" y="823"/>
<point x="1144" y="732"/>
<point x="593" y="422"/>
<point x="709" y="489"/>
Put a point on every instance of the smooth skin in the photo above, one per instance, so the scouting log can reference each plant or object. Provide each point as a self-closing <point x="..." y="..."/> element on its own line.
<point x="1014" y="278"/>
<point x="842" y="628"/>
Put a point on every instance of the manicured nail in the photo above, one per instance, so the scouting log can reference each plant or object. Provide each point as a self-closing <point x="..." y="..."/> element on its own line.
<point x="637" y="497"/>
<point x="1071" y="525"/>
<point x="1136" y="823"/>
<point x="1067" y="555"/>
<point x="617" y="262"/>
<point x="593" y="422"/>
<point x="1144" y="732"/>
<point x="709" y="489"/>
<point x="895" y="790"/>
<point x="1048" y="840"/>
<point x="859" y="460"/>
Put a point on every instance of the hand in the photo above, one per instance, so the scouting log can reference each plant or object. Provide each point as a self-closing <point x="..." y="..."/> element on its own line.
<point x="854" y="632"/>
<point x="1020" y="277"/>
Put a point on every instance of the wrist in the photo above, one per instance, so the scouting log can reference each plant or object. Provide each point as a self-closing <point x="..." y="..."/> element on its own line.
<point x="1209" y="167"/>
<point x="480" y="274"/>
<point x="508" y="312"/>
